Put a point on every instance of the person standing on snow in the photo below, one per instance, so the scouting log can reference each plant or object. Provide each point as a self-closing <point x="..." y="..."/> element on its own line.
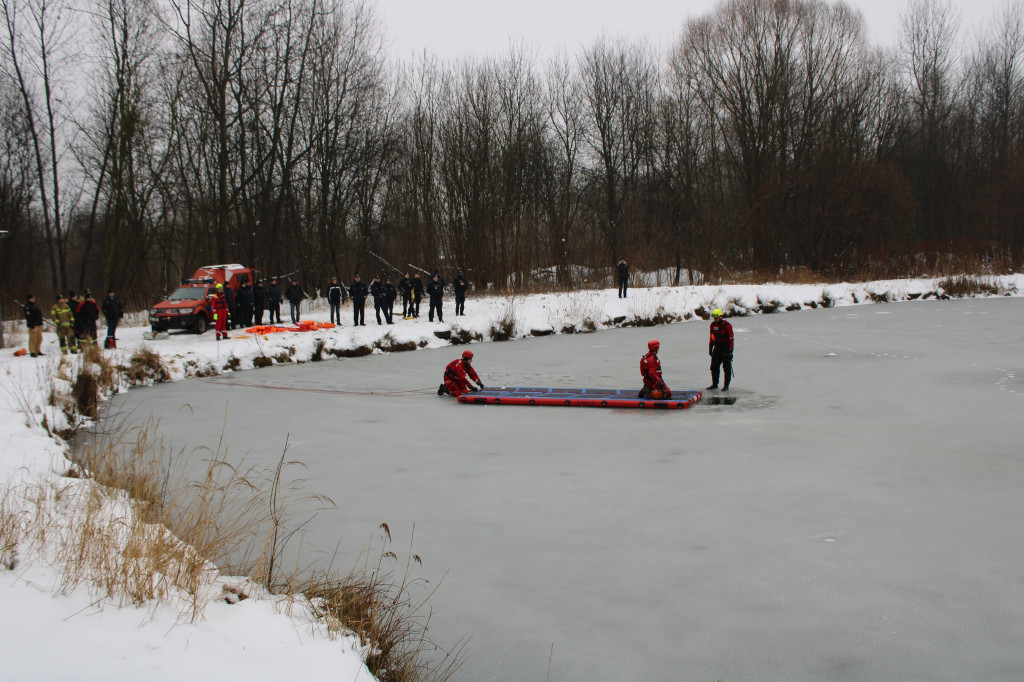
<point x="259" y="301"/>
<point x="113" y="311"/>
<point x="295" y="294"/>
<point x="87" y="314"/>
<point x="64" y="323"/>
<point x="650" y="370"/>
<point x="335" y="297"/>
<point x="357" y="292"/>
<point x="417" y="295"/>
<point x="720" y="349"/>
<point x="220" y="311"/>
<point x="459" y="284"/>
<point x="457" y="375"/>
<point x="390" y="294"/>
<point x="34" y="322"/>
<point x="435" y="289"/>
<point x="405" y="289"/>
<point x="622" y="269"/>
<point x="274" y="301"/>
<point x="245" y="304"/>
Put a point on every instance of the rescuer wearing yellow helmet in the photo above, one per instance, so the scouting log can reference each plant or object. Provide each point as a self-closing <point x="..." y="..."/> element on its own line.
<point x="720" y="349"/>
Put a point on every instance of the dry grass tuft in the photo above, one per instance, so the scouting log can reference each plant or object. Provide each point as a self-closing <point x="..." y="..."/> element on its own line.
<point x="261" y="361"/>
<point x="145" y="367"/>
<point x="357" y="352"/>
<point x="389" y="344"/>
<point x="460" y="336"/>
<point x="318" y="350"/>
<point x="505" y="326"/>
<point x="965" y="286"/>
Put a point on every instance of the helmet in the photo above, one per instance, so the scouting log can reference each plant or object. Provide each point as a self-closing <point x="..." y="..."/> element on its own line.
<point x="467" y="355"/>
<point x="717" y="312"/>
<point x="219" y="287"/>
<point x="653" y="345"/>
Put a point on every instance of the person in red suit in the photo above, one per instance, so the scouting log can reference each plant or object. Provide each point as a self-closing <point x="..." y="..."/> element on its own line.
<point x="650" y="370"/>
<point x="220" y="312"/>
<point x="457" y="375"/>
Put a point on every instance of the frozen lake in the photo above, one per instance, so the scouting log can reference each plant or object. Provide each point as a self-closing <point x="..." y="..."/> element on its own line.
<point x="856" y="515"/>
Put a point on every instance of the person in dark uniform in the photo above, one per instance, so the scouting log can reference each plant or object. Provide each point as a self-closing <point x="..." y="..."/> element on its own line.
<point x="390" y="294"/>
<point x="274" y="301"/>
<point x="245" y="304"/>
<point x="460" y="285"/>
<point x="650" y="371"/>
<point x="622" y="268"/>
<point x="720" y="348"/>
<point x="232" y="304"/>
<point x="335" y="297"/>
<point x="405" y="289"/>
<point x="34" y="322"/>
<point x="357" y="292"/>
<point x="113" y="311"/>
<point x="435" y="290"/>
<point x="377" y="291"/>
<point x="417" y="293"/>
<point x="259" y="301"/>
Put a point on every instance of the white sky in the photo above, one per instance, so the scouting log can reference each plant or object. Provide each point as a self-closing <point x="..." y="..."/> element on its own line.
<point x="460" y="28"/>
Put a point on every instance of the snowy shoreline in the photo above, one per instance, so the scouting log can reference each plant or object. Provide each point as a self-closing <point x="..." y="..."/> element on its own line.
<point x="267" y="636"/>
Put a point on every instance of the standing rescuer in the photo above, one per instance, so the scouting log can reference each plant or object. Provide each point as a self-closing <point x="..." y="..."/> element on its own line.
<point x="64" y="323"/>
<point x="220" y="312"/>
<point x="720" y="349"/>
<point x="34" y="322"/>
<point x="650" y="370"/>
<point x="457" y="375"/>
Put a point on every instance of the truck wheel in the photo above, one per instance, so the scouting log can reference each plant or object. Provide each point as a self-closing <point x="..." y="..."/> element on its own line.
<point x="200" y="324"/>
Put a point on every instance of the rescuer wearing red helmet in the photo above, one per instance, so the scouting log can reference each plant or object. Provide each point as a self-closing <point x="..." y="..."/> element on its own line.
<point x="457" y="375"/>
<point x="650" y="370"/>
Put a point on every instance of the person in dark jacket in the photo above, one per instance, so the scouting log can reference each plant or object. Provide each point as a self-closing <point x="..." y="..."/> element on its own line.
<point x="720" y="349"/>
<point x="435" y="290"/>
<point x="259" y="301"/>
<point x="87" y="314"/>
<point x="34" y="322"/>
<point x="622" y="268"/>
<point x="274" y="301"/>
<point x="379" y="302"/>
<point x="113" y="311"/>
<point x="405" y="289"/>
<point x="74" y="299"/>
<point x="245" y="304"/>
<point x="357" y="292"/>
<point x="417" y="294"/>
<point x="460" y="285"/>
<point x="390" y="294"/>
<point x="335" y="297"/>
<point x="295" y="294"/>
<point x="229" y="298"/>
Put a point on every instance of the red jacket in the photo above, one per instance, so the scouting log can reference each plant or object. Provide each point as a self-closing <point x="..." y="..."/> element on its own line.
<point x="650" y="370"/>
<point x="721" y="335"/>
<point x="457" y="371"/>
<point x="220" y="304"/>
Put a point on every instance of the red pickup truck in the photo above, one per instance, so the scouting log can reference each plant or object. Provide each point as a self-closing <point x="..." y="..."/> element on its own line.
<point x="189" y="306"/>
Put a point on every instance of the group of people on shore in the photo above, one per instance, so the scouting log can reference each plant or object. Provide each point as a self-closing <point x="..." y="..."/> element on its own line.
<point x="74" y="319"/>
<point x="385" y="293"/>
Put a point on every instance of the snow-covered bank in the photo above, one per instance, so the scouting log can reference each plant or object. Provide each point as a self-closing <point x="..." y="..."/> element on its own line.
<point x="29" y="450"/>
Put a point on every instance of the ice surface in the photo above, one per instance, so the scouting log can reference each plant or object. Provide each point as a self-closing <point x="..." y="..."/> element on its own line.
<point x="853" y="516"/>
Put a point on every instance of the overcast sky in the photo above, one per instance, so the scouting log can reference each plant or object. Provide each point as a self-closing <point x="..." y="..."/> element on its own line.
<point x="457" y="28"/>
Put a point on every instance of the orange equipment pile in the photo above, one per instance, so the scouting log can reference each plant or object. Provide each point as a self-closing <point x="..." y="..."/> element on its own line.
<point x="300" y="327"/>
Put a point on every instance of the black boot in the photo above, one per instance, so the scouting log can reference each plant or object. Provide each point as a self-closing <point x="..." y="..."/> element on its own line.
<point x="712" y="387"/>
<point x="441" y="390"/>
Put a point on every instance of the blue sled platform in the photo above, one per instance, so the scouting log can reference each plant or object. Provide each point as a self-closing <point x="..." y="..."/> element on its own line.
<point x="578" y="397"/>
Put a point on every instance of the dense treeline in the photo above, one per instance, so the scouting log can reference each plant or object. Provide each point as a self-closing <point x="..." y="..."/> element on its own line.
<point x="142" y="139"/>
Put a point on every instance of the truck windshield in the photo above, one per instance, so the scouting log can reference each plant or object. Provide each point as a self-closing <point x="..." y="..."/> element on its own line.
<point x="187" y="294"/>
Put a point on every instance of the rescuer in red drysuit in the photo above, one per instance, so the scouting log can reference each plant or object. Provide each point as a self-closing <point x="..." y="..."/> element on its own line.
<point x="650" y="370"/>
<point x="220" y="312"/>
<point x="720" y="347"/>
<point x="457" y="375"/>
